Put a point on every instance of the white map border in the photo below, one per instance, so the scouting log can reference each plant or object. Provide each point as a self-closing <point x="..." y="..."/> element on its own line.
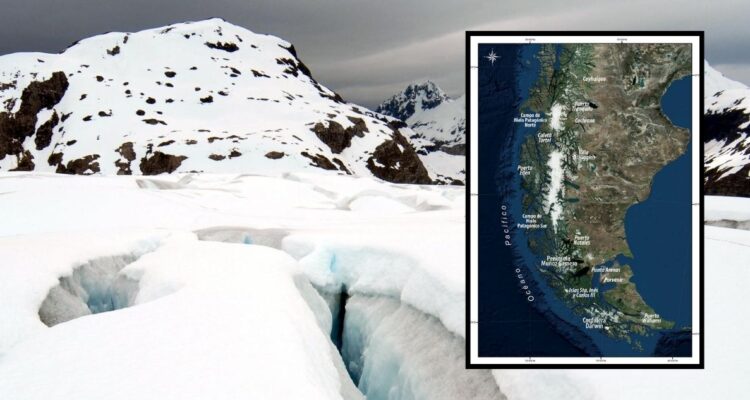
<point x="474" y="359"/>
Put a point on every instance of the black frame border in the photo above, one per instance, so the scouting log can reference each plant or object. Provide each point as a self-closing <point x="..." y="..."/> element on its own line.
<point x="701" y="177"/>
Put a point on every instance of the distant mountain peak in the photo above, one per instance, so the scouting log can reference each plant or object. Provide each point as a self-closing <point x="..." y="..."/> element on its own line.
<point x="418" y="96"/>
<point x="438" y="125"/>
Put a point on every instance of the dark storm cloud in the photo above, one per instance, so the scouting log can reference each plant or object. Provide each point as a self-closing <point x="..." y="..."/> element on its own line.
<point x="367" y="50"/>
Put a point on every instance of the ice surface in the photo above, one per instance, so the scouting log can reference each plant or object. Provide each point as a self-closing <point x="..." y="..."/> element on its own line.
<point x="222" y="319"/>
<point x="734" y="209"/>
<point x="395" y="352"/>
<point x="212" y="320"/>
<point x="93" y="287"/>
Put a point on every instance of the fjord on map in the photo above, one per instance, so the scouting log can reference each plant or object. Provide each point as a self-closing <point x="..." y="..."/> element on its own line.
<point x="584" y="200"/>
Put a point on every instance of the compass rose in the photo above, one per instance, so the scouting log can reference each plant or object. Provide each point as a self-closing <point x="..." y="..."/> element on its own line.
<point x="492" y="57"/>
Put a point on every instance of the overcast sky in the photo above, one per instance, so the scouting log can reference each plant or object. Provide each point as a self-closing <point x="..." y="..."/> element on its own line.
<point x="368" y="50"/>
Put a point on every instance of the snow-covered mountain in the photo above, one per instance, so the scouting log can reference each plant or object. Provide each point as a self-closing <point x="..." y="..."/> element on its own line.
<point x="438" y="123"/>
<point x="204" y="96"/>
<point x="727" y="131"/>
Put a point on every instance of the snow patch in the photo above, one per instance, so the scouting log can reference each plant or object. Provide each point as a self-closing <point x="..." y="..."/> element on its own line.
<point x="554" y="187"/>
<point x="556" y="116"/>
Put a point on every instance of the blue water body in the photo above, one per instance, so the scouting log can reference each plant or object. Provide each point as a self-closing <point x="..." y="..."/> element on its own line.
<point x="659" y="229"/>
<point x="676" y="102"/>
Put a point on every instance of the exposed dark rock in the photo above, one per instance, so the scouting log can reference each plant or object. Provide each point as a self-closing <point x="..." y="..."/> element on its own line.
<point x="153" y="121"/>
<point x="127" y="155"/>
<point x="6" y="86"/>
<point x="397" y="124"/>
<point x="396" y="161"/>
<point x="14" y="128"/>
<point x="234" y="153"/>
<point x="71" y="142"/>
<point x="736" y="184"/>
<point x="724" y="125"/>
<point x="83" y="166"/>
<point x="217" y="157"/>
<point x="159" y="163"/>
<point x="455" y="150"/>
<point x="294" y="68"/>
<point x="228" y="46"/>
<point x="338" y="138"/>
<point x="334" y="136"/>
<point x="207" y="99"/>
<point x="150" y="100"/>
<point x="54" y="159"/>
<point x="25" y="162"/>
<point x="320" y="161"/>
<point x="258" y="74"/>
<point x="99" y="78"/>
<point x="342" y="166"/>
<point x="114" y="51"/>
<point x="166" y="143"/>
<point x="140" y="113"/>
<point x="360" y="127"/>
<point x="170" y="74"/>
<point x="191" y="141"/>
<point x="44" y="133"/>
<point x="105" y="114"/>
<point x="86" y="118"/>
<point x="274" y="155"/>
<point x="290" y="49"/>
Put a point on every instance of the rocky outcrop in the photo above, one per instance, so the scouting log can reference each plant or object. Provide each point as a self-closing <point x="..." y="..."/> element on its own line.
<point x="44" y="133"/>
<point x="228" y="46"/>
<point x="127" y="155"/>
<point x="274" y="155"/>
<point x="25" y="162"/>
<point x="320" y="161"/>
<point x="336" y="137"/>
<point x="396" y="161"/>
<point x="82" y="166"/>
<point x="39" y="95"/>
<point x="160" y="163"/>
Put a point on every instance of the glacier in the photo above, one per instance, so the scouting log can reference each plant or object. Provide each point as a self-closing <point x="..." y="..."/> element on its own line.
<point x="246" y="283"/>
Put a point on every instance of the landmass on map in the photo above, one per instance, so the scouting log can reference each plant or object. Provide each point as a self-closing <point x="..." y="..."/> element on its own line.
<point x="601" y="138"/>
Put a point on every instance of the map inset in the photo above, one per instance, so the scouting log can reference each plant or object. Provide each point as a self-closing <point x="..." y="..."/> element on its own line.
<point x="584" y="194"/>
